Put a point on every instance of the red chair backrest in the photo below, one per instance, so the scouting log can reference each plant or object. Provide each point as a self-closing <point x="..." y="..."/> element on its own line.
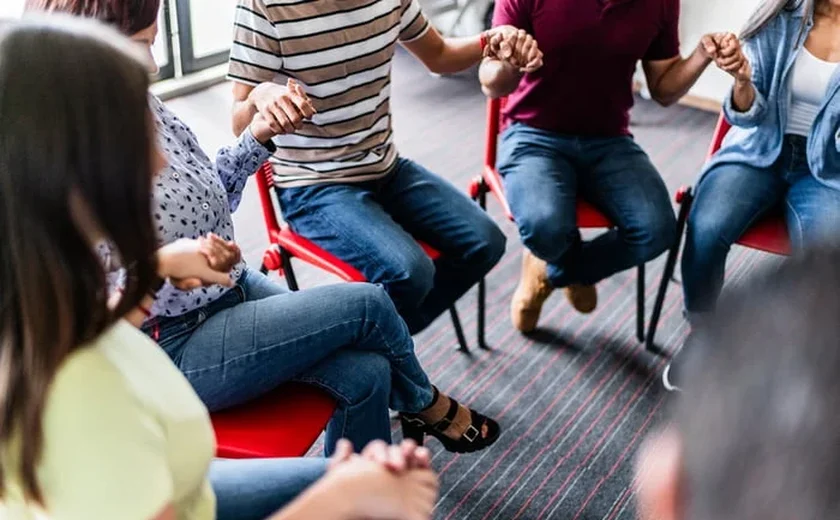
<point x="721" y="130"/>
<point x="265" y="181"/>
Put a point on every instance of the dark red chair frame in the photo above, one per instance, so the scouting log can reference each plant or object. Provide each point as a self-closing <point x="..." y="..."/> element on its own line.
<point x="588" y="217"/>
<point x="285" y="244"/>
<point x="769" y="234"/>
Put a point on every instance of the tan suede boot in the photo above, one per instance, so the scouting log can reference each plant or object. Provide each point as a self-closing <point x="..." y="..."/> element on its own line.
<point x="584" y="298"/>
<point x="532" y="292"/>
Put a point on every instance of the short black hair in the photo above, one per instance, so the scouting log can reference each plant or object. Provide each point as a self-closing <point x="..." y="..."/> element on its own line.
<point x="760" y="416"/>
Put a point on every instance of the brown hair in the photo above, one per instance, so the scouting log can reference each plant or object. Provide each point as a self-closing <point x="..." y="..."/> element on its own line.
<point x="74" y="131"/>
<point x="129" y="16"/>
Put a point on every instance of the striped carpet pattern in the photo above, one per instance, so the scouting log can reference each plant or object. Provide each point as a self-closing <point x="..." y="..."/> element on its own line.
<point x="576" y="398"/>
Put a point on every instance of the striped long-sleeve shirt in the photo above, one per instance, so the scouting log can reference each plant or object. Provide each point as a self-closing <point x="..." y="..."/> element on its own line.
<point x="341" y="53"/>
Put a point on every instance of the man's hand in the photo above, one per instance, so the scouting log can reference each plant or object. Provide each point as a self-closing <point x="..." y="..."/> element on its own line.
<point x="731" y="59"/>
<point x="515" y="47"/>
<point x="280" y="109"/>
<point x="709" y="45"/>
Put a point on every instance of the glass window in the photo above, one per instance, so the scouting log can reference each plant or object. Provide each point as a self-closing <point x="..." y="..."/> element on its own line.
<point x="160" y="50"/>
<point x="11" y="8"/>
<point x="211" y="22"/>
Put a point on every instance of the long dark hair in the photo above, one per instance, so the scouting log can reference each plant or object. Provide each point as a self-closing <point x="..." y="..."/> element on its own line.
<point x="770" y="9"/>
<point x="75" y="134"/>
<point x="129" y="16"/>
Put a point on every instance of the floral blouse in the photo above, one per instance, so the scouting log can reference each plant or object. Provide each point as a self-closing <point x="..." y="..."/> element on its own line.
<point x="194" y="197"/>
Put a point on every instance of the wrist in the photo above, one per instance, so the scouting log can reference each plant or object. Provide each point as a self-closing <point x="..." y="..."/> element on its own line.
<point x="339" y="493"/>
<point x="743" y="83"/>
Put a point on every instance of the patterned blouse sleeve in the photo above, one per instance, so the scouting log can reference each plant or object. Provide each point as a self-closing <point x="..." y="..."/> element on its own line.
<point x="235" y="163"/>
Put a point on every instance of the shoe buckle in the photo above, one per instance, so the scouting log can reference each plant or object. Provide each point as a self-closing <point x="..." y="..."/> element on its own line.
<point x="442" y="425"/>
<point x="471" y="433"/>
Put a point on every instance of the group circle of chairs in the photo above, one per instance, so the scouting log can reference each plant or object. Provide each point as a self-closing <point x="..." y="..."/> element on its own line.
<point x="287" y="421"/>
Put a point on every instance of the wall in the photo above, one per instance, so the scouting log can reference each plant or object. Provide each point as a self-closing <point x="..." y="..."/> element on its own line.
<point x="699" y="17"/>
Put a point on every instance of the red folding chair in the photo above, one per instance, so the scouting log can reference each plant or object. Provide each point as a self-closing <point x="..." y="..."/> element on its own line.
<point x="282" y="423"/>
<point x="769" y="234"/>
<point x="286" y="244"/>
<point x="588" y="217"/>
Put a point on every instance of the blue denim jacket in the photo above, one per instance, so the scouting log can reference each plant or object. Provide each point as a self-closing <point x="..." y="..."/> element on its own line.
<point x="757" y="135"/>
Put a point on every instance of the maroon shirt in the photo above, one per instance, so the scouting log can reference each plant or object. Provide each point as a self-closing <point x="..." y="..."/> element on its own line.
<point x="591" y="47"/>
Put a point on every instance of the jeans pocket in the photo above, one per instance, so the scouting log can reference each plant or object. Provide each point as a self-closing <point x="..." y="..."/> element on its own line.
<point x="173" y="332"/>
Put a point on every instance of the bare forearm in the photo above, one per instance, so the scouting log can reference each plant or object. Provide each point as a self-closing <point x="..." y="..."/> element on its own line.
<point x="679" y="78"/>
<point x="743" y="95"/>
<point x="446" y="55"/>
<point x="498" y="78"/>
<point x="316" y="502"/>
<point x="136" y="316"/>
<point x="243" y="114"/>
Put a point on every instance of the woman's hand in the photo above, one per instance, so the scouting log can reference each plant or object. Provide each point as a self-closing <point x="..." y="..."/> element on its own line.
<point x="397" y="459"/>
<point x="189" y="263"/>
<point x="280" y="110"/>
<point x="515" y="47"/>
<point x="373" y="491"/>
<point x="731" y="58"/>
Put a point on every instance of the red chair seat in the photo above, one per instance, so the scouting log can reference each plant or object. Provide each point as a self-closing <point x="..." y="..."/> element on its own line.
<point x="281" y="423"/>
<point x="309" y="252"/>
<point x="770" y="235"/>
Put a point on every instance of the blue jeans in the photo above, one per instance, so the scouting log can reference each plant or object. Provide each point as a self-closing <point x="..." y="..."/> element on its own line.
<point x="346" y="339"/>
<point x="731" y="197"/>
<point x="544" y="175"/>
<point x="254" y="489"/>
<point x="373" y="227"/>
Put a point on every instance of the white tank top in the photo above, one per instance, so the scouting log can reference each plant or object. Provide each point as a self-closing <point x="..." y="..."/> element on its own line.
<point x="808" y="85"/>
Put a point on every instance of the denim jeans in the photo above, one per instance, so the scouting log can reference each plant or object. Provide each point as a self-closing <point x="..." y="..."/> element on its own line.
<point x="373" y="227"/>
<point x="731" y="197"/>
<point x="544" y="175"/>
<point x="254" y="489"/>
<point x="346" y="339"/>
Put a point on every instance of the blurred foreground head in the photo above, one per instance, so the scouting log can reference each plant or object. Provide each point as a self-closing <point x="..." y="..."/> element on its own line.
<point x="756" y="434"/>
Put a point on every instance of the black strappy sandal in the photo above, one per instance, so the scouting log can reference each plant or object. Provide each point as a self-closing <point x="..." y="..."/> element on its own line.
<point x="471" y="440"/>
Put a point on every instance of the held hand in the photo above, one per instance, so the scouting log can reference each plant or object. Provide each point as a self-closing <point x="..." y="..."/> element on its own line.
<point x="731" y="58"/>
<point x="222" y="254"/>
<point x="397" y="459"/>
<point x="280" y="109"/>
<point x="376" y="493"/>
<point x="708" y="46"/>
<point x="186" y="265"/>
<point x="515" y="47"/>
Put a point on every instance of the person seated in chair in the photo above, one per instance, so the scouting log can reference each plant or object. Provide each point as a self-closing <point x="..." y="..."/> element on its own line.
<point x="340" y="180"/>
<point x="755" y="435"/>
<point x="236" y="343"/>
<point x="567" y="138"/>
<point x="783" y="152"/>
<point x="97" y="423"/>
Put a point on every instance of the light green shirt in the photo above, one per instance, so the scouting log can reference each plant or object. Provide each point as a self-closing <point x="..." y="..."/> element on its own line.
<point x="124" y="435"/>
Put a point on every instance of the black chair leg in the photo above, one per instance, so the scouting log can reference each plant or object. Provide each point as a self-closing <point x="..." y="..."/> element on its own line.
<point x="288" y="271"/>
<point x="640" y="303"/>
<point x="482" y="296"/>
<point x="668" y="275"/>
<point x="263" y="268"/>
<point x="459" y="331"/>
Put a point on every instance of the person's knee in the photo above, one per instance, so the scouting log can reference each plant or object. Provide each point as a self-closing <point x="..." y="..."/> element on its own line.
<point x="411" y="282"/>
<point x="653" y="237"/>
<point x="490" y="247"/>
<point x="543" y="232"/>
<point x="705" y="233"/>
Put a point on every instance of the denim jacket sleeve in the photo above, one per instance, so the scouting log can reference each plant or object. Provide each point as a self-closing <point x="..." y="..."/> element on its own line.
<point x="237" y="162"/>
<point x="758" y="111"/>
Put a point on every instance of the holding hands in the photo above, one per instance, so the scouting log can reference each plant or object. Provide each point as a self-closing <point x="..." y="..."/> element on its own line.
<point x="515" y="47"/>
<point x="384" y="482"/>
<point x="726" y="51"/>
<point x="192" y="263"/>
<point x="279" y="109"/>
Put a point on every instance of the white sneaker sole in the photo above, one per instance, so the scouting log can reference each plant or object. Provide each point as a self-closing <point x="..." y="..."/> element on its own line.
<point x="666" y="380"/>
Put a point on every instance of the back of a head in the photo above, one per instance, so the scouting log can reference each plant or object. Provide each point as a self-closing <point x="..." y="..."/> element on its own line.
<point x="75" y="166"/>
<point x="129" y="16"/>
<point x="759" y="419"/>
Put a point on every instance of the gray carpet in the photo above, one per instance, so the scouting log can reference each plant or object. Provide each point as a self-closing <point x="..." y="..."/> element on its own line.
<point x="576" y="399"/>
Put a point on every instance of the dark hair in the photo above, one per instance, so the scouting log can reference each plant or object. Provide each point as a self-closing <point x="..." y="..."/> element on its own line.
<point x="759" y="418"/>
<point x="129" y="16"/>
<point x="770" y="9"/>
<point x="75" y="154"/>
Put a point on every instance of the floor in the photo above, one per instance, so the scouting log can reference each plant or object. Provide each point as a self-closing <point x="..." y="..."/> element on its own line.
<point x="576" y="398"/>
